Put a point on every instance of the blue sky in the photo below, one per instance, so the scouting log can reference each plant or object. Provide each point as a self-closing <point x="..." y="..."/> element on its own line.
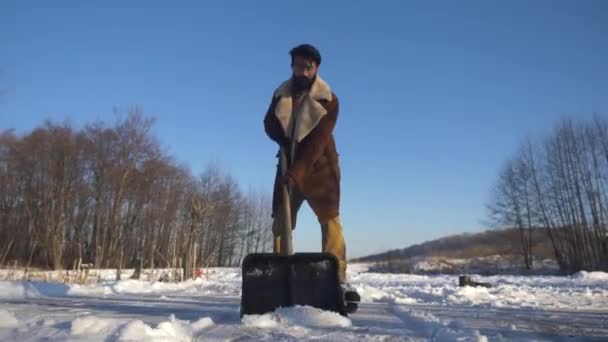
<point x="435" y="95"/>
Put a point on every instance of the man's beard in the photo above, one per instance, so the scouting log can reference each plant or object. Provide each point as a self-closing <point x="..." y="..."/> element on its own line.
<point x="302" y="83"/>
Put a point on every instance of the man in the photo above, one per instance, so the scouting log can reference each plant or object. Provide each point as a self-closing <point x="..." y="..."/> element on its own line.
<point x="301" y="119"/>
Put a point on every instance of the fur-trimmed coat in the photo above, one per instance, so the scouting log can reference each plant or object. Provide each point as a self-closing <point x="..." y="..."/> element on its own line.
<point x="315" y="169"/>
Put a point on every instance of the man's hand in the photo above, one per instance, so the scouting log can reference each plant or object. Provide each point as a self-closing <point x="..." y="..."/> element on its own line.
<point x="287" y="180"/>
<point x="284" y="142"/>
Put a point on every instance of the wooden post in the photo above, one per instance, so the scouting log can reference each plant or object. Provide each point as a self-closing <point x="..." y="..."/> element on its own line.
<point x="79" y="278"/>
<point x="181" y="274"/>
<point x="119" y="269"/>
<point x="194" y="253"/>
<point x="8" y="248"/>
<point x="29" y="261"/>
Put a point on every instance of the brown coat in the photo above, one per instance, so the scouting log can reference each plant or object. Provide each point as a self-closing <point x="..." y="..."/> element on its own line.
<point x="315" y="170"/>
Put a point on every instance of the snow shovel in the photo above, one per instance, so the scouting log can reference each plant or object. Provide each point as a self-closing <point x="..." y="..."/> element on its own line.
<point x="271" y="281"/>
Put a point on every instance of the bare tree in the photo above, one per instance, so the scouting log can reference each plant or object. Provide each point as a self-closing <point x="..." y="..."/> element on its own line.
<point x="512" y="205"/>
<point x="561" y="188"/>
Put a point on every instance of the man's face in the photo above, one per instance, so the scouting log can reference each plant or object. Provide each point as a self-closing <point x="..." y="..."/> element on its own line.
<point x="304" y="71"/>
<point x="303" y="67"/>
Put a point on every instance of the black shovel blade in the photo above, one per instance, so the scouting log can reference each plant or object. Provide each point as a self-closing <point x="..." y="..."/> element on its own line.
<point x="271" y="281"/>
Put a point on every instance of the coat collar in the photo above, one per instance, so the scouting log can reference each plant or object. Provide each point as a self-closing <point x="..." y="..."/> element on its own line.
<point x="309" y="110"/>
<point x="319" y="90"/>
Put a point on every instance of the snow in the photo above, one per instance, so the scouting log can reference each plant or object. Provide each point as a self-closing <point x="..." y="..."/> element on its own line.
<point x="438" y="329"/>
<point x="587" y="291"/>
<point x="591" y="276"/>
<point x="297" y="316"/>
<point x="202" y="324"/>
<point x="197" y="286"/>
<point x="394" y="307"/>
<point x="261" y="321"/>
<point x="172" y="330"/>
<point x="7" y="320"/>
<point x="91" y="325"/>
<point x="95" y="327"/>
<point x="10" y="289"/>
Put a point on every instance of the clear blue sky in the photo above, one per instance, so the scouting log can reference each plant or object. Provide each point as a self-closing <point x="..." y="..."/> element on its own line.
<point x="435" y="95"/>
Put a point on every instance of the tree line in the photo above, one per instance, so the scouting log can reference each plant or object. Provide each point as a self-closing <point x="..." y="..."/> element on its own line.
<point x="559" y="184"/>
<point x="106" y="194"/>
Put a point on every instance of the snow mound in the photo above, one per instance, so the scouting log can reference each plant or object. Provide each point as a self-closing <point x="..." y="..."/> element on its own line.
<point x="304" y="316"/>
<point x="137" y="287"/>
<point x="471" y="295"/>
<point x="11" y="290"/>
<point x="584" y="275"/>
<point x="7" y="320"/>
<point x="202" y="324"/>
<point x="173" y="330"/>
<point x="91" y="325"/>
<point x="371" y="294"/>
<point x="261" y="321"/>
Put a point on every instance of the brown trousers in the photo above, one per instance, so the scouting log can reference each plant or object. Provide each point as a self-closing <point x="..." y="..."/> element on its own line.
<point x="332" y="237"/>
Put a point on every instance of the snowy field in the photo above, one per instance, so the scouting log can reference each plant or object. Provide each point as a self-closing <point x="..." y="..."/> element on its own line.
<point x="394" y="308"/>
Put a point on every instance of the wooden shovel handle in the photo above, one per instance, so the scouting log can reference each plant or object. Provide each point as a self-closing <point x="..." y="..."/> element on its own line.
<point x="286" y="241"/>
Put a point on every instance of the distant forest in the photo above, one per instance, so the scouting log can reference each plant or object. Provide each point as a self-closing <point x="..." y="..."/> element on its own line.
<point x="107" y="195"/>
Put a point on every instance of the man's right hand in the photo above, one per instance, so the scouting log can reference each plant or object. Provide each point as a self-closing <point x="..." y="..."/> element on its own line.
<point x="284" y="143"/>
<point x="288" y="181"/>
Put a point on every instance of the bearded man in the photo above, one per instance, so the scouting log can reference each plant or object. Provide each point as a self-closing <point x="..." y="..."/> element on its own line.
<point x="301" y="119"/>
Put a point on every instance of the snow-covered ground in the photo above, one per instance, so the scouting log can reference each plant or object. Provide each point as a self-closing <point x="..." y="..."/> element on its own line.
<point x="395" y="307"/>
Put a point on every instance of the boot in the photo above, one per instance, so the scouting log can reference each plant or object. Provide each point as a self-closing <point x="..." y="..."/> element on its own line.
<point x="333" y="242"/>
